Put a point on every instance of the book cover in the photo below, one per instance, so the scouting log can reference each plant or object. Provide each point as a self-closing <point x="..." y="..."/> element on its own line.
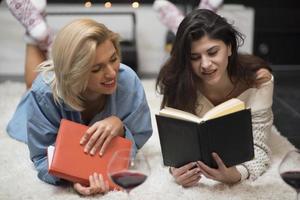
<point x="229" y="135"/>
<point x="71" y="163"/>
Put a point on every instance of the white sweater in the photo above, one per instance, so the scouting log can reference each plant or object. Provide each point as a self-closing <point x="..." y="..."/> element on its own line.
<point x="260" y="101"/>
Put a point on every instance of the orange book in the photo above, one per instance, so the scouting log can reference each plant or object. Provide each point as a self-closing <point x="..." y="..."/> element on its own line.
<point x="67" y="159"/>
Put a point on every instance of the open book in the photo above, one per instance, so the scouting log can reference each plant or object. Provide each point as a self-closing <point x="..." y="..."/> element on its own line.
<point x="67" y="159"/>
<point x="230" y="106"/>
<point x="226" y="129"/>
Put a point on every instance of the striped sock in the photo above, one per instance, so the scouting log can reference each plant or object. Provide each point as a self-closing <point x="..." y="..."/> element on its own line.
<point x="31" y="14"/>
<point x="212" y="5"/>
<point x="169" y="14"/>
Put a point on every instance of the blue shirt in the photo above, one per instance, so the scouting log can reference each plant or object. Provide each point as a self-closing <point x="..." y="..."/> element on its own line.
<point x="37" y="117"/>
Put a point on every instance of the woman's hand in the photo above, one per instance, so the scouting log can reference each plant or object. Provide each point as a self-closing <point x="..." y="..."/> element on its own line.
<point x="97" y="186"/>
<point x="223" y="174"/>
<point x="262" y="76"/>
<point x="187" y="175"/>
<point x="99" y="135"/>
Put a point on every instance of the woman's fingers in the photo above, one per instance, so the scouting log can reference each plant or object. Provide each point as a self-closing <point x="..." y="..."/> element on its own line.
<point x="92" y="140"/>
<point x="97" y="140"/>
<point x="105" y="144"/>
<point x="79" y="188"/>
<point x="222" y="173"/>
<point x="85" y="138"/>
<point x="102" y="141"/>
<point x="219" y="161"/>
<point x="193" y="182"/>
<point x="189" y="176"/>
<point x="97" y="185"/>
<point x="181" y="170"/>
<point x="82" y="189"/>
<point x="262" y="75"/>
<point x="206" y="171"/>
<point x="93" y="187"/>
<point x="106" y="186"/>
<point x="100" y="134"/>
<point x="101" y="183"/>
<point x="186" y="174"/>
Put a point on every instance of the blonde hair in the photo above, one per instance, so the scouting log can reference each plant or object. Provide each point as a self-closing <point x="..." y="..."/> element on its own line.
<point x="73" y="54"/>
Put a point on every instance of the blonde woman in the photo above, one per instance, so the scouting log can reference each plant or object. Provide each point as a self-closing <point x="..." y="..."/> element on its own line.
<point x="85" y="83"/>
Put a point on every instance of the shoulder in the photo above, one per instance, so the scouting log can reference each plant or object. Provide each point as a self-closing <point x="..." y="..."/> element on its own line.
<point x="41" y="85"/>
<point x="261" y="97"/>
<point x="128" y="79"/>
<point x="130" y="88"/>
<point x="126" y="71"/>
<point x="41" y="90"/>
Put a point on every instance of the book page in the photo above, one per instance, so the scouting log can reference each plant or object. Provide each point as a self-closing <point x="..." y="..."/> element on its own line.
<point x="230" y="106"/>
<point x="179" y="114"/>
<point x="50" y="152"/>
<point x="225" y="108"/>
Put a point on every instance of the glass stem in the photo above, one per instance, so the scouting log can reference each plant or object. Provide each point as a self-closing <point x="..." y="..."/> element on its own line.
<point x="128" y="195"/>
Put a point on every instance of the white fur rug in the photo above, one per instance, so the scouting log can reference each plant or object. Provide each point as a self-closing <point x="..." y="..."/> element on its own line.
<point x="18" y="178"/>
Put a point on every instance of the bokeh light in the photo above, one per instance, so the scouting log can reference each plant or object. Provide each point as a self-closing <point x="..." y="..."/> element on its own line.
<point x="135" y="4"/>
<point x="107" y="4"/>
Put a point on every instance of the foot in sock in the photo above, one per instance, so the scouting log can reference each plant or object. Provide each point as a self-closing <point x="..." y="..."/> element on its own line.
<point x="30" y="13"/>
<point x="212" y="5"/>
<point x="169" y="14"/>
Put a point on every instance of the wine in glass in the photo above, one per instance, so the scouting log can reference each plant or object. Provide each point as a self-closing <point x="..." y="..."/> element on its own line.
<point x="133" y="174"/>
<point x="289" y="170"/>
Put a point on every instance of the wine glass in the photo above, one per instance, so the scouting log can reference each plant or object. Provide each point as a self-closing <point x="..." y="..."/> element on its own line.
<point x="289" y="170"/>
<point x="132" y="173"/>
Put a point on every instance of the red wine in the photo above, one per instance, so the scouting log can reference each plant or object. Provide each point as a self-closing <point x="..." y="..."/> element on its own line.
<point x="292" y="178"/>
<point x="128" y="180"/>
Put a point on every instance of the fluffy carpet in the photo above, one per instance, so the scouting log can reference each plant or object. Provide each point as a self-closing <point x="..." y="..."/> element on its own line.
<point x="18" y="178"/>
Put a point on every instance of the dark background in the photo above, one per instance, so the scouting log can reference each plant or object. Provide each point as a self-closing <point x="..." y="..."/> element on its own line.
<point x="276" y="32"/>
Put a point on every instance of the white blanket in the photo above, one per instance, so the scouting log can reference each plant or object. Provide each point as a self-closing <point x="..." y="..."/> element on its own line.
<point x="18" y="179"/>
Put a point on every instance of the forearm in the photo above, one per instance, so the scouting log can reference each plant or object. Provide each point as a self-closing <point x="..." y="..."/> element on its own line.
<point x="128" y="135"/>
<point x="139" y="138"/>
<point x="133" y="110"/>
<point x="38" y="141"/>
<point x="42" y="167"/>
<point x="262" y="123"/>
<point x="138" y="126"/>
